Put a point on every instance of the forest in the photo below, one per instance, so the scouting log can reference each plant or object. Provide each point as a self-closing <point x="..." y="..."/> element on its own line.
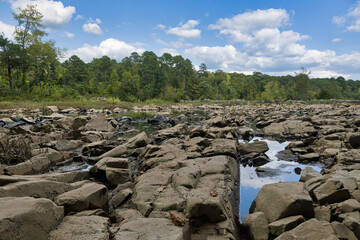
<point x="30" y="69"/>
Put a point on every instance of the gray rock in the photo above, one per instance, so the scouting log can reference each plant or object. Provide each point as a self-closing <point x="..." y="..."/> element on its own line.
<point x="322" y="213"/>
<point x="353" y="223"/>
<point x="221" y="147"/>
<point x="151" y="228"/>
<point x="257" y="226"/>
<point x="285" y="199"/>
<point x="27" y="218"/>
<point x="88" y="196"/>
<point x="342" y="231"/>
<point x="349" y="205"/>
<point x="81" y="228"/>
<point x="285" y="224"/>
<point x="309" y="230"/>
<point x="309" y="157"/>
<point x="254" y="147"/>
<point x="140" y="140"/>
<point x="308" y="174"/>
<point x="331" y="191"/>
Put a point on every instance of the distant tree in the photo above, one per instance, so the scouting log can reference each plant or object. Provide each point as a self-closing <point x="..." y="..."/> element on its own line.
<point x="302" y="83"/>
<point x="76" y="71"/>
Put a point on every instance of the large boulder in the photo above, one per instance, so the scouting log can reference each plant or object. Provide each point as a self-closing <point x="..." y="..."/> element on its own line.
<point x="88" y="196"/>
<point x="309" y="230"/>
<point x="81" y="228"/>
<point x="257" y="226"/>
<point x="27" y="218"/>
<point x="331" y="191"/>
<point x="290" y="127"/>
<point x="284" y="199"/>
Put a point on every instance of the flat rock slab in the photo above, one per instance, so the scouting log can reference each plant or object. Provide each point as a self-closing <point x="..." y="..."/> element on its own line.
<point x="151" y="228"/>
<point x="88" y="196"/>
<point x="280" y="200"/>
<point x="285" y="224"/>
<point x="254" y="147"/>
<point x="309" y="230"/>
<point x="81" y="228"/>
<point x="28" y="218"/>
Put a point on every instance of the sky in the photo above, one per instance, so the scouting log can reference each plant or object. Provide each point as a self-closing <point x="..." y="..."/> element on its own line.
<point x="275" y="37"/>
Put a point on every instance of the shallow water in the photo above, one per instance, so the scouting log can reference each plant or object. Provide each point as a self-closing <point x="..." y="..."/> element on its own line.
<point x="274" y="171"/>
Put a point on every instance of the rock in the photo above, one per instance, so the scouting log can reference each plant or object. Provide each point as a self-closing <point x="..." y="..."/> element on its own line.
<point x="117" y="176"/>
<point x="290" y="127"/>
<point x="331" y="191"/>
<point x="81" y="228"/>
<point x="221" y="147"/>
<point x="116" y="152"/>
<point x="342" y="231"/>
<point x="285" y="224"/>
<point x="322" y="213"/>
<point x="309" y="157"/>
<point x="88" y="196"/>
<point x="151" y="228"/>
<point x="167" y="133"/>
<point x="99" y="122"/>
<point x="309" y="173"/>
<point x="348" y="158"/>
<point x="309" y="230"/>
<point x="257" y="226"/>
<point x="254" y="147"/>
<point x="119" y="197"/>
<point x="35" y="187"/>
<point x="353" y="223"/>
<point x="353" y="139"/>
<point x="140" y="140"/>
<point x="28" y="218"/>
<point x="284" y="199"/>
<point x="349" y="205"/>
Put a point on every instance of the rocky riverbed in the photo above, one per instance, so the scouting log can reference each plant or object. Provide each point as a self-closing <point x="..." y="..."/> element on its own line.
<point x="99" y="174"/>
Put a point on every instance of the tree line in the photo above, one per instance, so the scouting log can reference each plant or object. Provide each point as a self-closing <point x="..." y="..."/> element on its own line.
<point x="30" y="69"/>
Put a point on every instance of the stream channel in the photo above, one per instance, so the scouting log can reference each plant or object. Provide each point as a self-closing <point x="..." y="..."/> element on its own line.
<point x="280" y="168"/>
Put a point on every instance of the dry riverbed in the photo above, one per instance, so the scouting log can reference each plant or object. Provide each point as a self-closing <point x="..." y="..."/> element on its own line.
<point x="178" y="173"/>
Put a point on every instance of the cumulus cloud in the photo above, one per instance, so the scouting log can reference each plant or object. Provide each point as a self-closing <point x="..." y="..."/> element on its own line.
<point x="55" y="14"/>
<point x="351" y="20"/>
<point x="110" y="47"/>
<point x="7" y="30"/>
<point x="161" y="26"/>
<point x="186" y="30"/>
<point x="79" y="17"/>
<point x="241" y="27"/>
<point x="92" y="28"/>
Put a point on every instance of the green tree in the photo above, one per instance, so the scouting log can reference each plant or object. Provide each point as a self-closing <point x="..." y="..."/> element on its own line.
<point x="76" y="71"/>
<point x="9" y="58"/>
<point x="302" y="83"/>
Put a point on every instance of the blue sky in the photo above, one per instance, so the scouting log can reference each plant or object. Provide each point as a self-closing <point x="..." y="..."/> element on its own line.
<point x="276" y="37"/>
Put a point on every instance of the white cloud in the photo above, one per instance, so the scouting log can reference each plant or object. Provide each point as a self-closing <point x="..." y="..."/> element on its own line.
<point x="161" y="26"/>
<point x="351" y="19"/>
<point x="337" y="40"/>
<point x="110" y="47"/>
<point x="7" y="29"/>
<point x="69" y="34"/>
<point x="174" y="44"/>
<point x="92" y="28"/>
<point x="55" y="14"/>
<point x="186" y="30"/>
<point x="172" y="51"/>
<point x="79" y="17"/>
<point x="241" y="26"/>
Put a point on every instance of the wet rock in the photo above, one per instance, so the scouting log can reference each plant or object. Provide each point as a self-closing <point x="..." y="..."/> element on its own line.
<point x="280" y="200"/>
<point x="285" y="224"/>
<point x="28" y="218"/>
<point x="257" y="226"/>
<point x="88" y="196"/>
<point x="342" y="231"/>
<point x="350" y="205"/>
<point x="254" y="147"/>
<point x="309" y="230"/>
<point x="81" y="228"/>
<point x="331" y="191"/>
<point x="308" y="174"/>
<point x="151" y="228"/>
